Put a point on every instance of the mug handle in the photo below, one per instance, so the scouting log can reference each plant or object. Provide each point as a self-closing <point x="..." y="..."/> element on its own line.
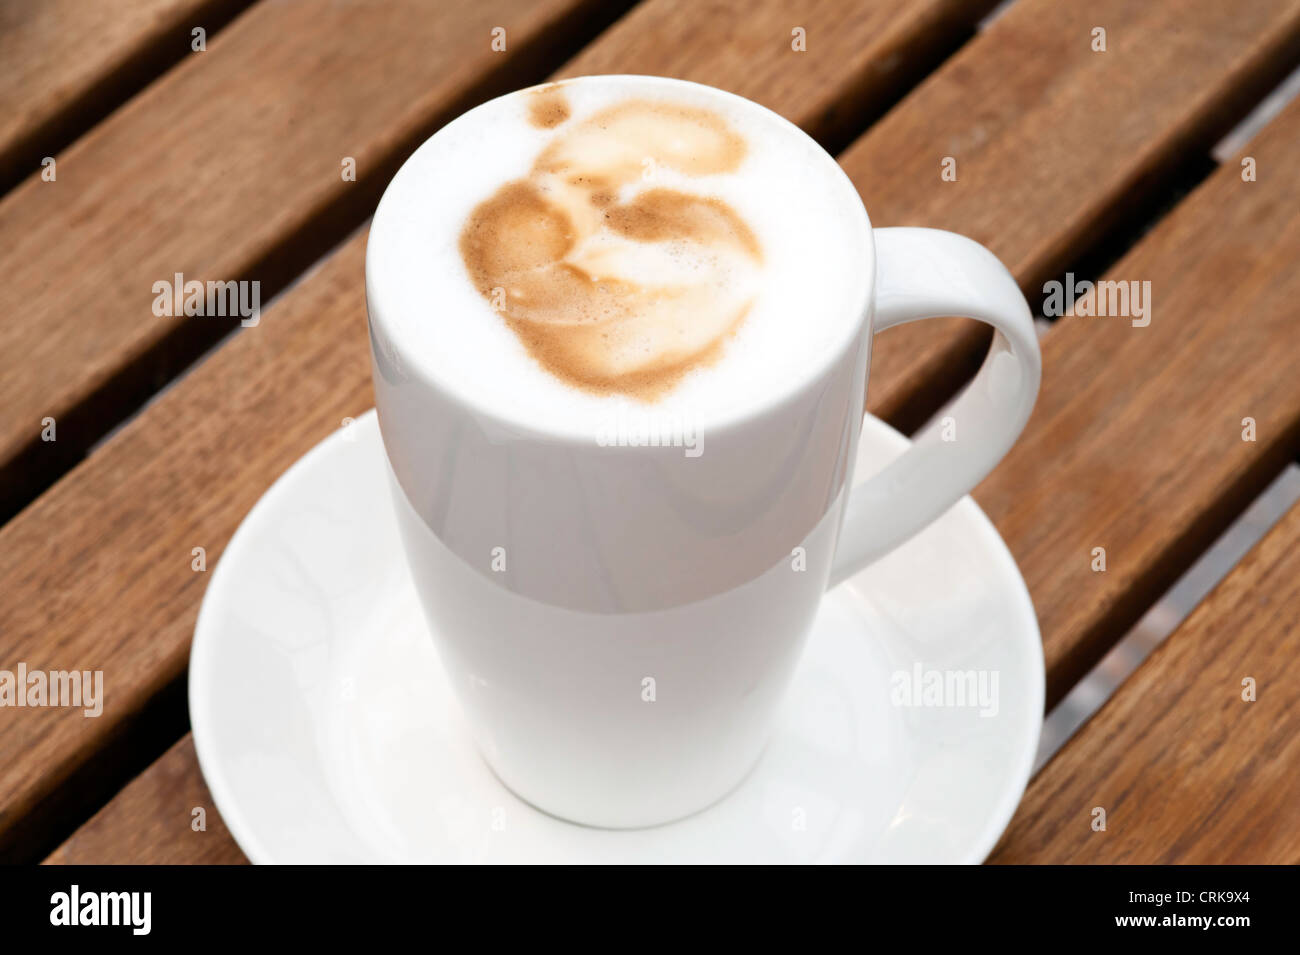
<point x="926" y="273"/>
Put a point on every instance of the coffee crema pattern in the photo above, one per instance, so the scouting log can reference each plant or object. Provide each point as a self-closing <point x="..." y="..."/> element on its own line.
<point x="614" y="282"/>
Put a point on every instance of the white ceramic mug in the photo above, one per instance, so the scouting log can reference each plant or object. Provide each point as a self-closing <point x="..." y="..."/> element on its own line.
<point x="620" y="623"/>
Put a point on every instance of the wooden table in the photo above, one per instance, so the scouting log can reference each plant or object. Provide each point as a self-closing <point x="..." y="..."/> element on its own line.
<point x="224" y="163"/>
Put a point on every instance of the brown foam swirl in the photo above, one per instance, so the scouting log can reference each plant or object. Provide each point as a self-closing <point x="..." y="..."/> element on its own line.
<point x="612" y="283"/>
<point x="547" y="107"/>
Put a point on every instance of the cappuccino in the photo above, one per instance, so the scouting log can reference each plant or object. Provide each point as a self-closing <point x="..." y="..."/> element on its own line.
<point x="608" y="242"/>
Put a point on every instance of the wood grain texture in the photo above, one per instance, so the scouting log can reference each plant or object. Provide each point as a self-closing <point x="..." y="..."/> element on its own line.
<point x="99" y="571"/>
<point x="97" y="568"/>
<point x="230" y="167"/>
<point x="857" y="56"/>
<point x="153" y="818"/>
<point x="1053" y="143"/>
<point x="65" y="63"/>
<point x="1143" y="463"/>
<point x="1185" y="768"/>
<point x="1136" y="444"/>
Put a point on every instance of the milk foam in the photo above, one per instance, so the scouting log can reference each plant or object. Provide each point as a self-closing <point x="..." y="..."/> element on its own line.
<point x="802" y="292"/>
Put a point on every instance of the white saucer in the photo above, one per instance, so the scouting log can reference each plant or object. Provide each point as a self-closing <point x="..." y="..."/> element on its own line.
<point x="327" y="733"/>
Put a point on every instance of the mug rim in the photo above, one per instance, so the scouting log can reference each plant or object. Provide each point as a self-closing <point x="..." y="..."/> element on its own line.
<point x="858" y="308"/>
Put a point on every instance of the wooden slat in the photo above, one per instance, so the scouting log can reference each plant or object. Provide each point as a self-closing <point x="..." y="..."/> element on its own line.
<point x="230" y="167"/>
<point x="858" y="56"/>
<point x="1053" y="143"/>
<point x="1136" y="444"/>
<point x="154" y="820"/>
<point x="1185" y="768"/>
<point x="1138" y="429"/>
<point x="65" y="63"/>
<point x="97" y="569"/>
<point x="169" y="482"/>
